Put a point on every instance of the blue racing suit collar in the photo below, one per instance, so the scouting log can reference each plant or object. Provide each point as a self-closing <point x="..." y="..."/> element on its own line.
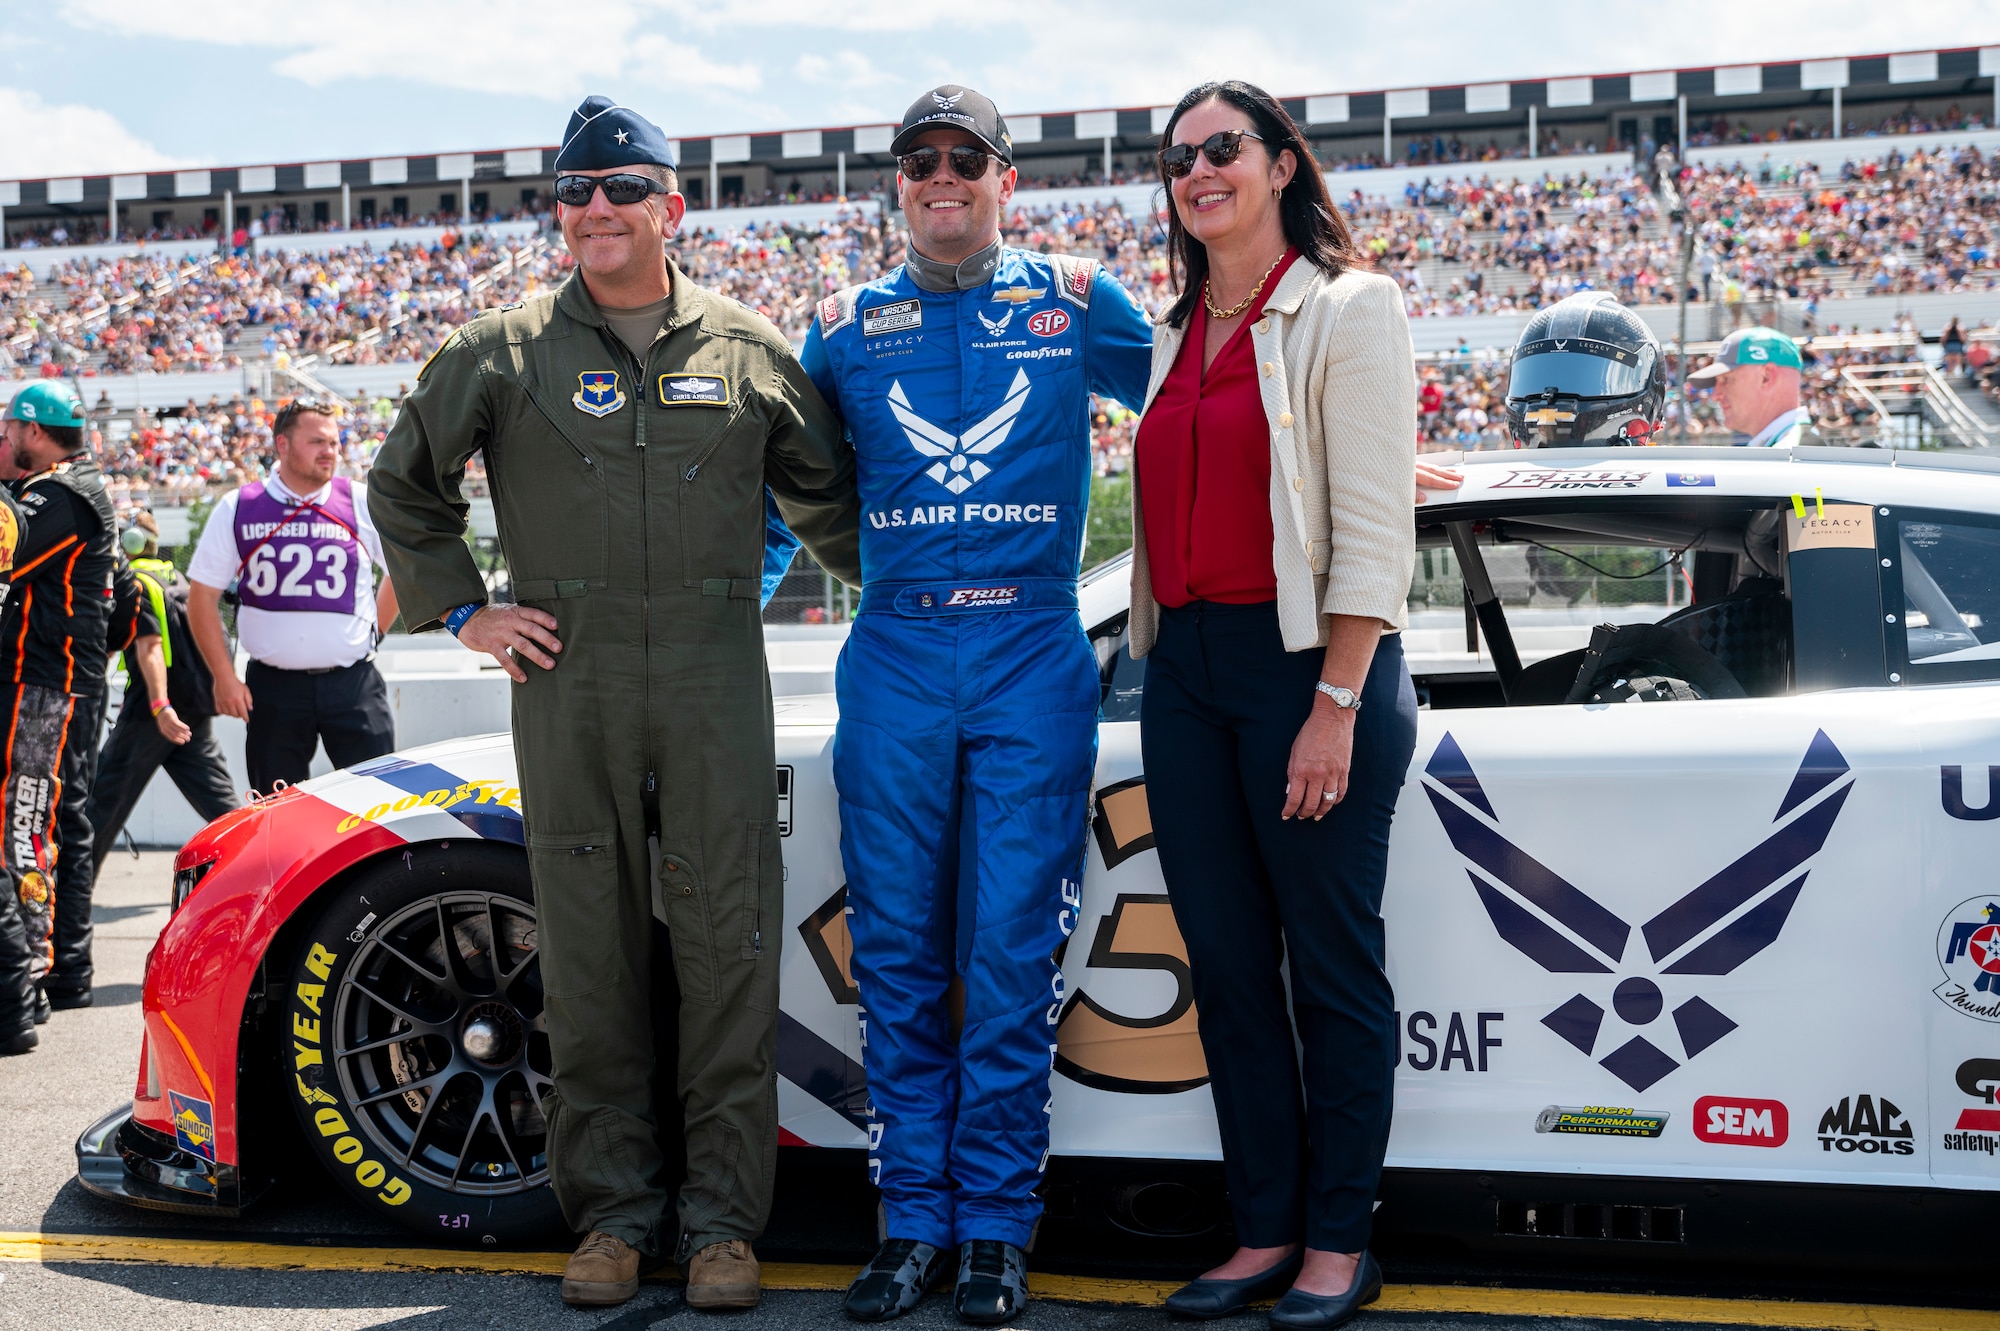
<point x="973" y="273"/>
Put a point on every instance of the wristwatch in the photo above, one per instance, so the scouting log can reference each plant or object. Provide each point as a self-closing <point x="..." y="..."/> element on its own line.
<point x="1345" y="699"/>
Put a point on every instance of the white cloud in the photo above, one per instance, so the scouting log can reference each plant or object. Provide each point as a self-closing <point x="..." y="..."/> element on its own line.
<point x="524" y="47"/>
<point x="71" y="139"/>
<point x="730" y="66"/>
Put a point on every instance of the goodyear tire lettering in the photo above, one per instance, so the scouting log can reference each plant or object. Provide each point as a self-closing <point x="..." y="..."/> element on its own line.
<point x="305" y="1042"/>
<point x="320" y="961"/>
<point x="342" y="1135"/>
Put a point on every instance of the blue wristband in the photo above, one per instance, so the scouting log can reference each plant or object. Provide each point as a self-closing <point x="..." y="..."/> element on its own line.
<point x="456" y="619"/>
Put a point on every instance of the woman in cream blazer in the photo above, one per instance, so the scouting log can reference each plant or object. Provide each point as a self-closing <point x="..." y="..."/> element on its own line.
<point x="1273" y="549"/>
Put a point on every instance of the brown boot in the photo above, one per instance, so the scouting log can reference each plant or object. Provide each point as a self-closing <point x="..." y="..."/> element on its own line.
<point x="601" y="1272"/>
<point x="724" y="1275"/>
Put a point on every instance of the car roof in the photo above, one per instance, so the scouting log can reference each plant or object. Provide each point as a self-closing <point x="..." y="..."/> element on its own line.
<point x="1964" y="481"/>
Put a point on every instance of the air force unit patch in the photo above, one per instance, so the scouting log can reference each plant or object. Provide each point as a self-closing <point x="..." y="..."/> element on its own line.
<point x="694" y="390"/>
<point x="597" y="393"/>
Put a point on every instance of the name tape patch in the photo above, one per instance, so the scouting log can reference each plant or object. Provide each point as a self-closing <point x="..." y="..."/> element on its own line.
<point x="984" y="596"/>
<point x="899" y="317"/>
<point x="694" y="390"/>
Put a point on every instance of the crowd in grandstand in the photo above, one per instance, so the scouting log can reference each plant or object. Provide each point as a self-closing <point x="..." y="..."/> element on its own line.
<point x="1458" y="244"/>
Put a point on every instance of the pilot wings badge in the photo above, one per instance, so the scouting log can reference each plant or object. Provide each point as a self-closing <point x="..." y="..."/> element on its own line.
<point x="1709" y="931"/>
<point x="597" y="393"/>
<point x="960" y="457"/>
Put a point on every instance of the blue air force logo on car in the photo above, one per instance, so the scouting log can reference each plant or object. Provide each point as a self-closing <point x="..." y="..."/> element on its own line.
<point x="1710" y="931"/>
<point x="960" y="465"/>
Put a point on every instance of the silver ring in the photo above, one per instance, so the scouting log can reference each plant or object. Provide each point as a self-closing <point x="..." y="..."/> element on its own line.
<point x="1326" y="797"/>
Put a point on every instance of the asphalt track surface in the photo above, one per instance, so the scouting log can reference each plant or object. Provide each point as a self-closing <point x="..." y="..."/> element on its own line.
<point x="304" y="1258"/>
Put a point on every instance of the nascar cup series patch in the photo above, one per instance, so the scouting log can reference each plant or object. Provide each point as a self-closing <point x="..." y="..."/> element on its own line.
<point x="694" y="390"/>
<point x="597" y="393"/>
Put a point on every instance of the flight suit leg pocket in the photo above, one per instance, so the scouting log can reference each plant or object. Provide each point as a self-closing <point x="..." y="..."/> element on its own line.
<point x="691" y="920"/>
<point x="581" y="917"/>
<point x="763" y="910"/>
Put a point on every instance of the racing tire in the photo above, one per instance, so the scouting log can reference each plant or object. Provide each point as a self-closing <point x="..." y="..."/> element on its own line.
<point x="418" y="1050"/>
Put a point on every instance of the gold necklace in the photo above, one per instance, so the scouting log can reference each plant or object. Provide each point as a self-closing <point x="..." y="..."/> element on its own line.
<point x="1208" y="300"/>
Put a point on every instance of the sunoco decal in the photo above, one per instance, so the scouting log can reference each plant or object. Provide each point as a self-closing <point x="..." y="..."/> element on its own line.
<point x="194" y="1124"/>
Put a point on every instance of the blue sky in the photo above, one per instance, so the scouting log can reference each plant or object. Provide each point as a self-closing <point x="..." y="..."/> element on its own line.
<point x="108" y="85"/>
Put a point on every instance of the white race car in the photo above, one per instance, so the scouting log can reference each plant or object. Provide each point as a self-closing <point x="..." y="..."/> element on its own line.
<point x="1697" y="976"/>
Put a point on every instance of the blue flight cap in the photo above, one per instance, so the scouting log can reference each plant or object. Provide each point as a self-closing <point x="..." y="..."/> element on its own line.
<point x="603" y="136"/>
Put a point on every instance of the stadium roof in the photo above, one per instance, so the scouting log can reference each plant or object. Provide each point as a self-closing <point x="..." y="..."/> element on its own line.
<point x="1475" y="109"/>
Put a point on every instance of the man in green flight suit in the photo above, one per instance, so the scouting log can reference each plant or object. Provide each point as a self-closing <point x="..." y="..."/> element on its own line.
<point x="631" y="423"/>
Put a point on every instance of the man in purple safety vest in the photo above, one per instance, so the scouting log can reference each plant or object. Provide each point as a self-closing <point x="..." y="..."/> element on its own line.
<point x="301" y="553"/>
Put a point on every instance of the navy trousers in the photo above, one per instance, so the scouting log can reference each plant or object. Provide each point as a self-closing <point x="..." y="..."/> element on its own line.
<point x="1223" y="703"/>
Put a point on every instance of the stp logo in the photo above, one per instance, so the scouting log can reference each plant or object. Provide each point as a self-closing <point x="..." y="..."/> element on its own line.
<point x="1047" y="323"/>
<point x="1727" y="1121"/>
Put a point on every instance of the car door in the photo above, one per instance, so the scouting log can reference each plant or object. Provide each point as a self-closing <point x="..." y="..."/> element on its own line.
<point x="1611" y="926"/>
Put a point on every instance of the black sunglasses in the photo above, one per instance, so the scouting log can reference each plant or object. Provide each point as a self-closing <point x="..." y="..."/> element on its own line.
<point x="1220" y="148"/>
<point x="620" y="189"/>
<point x="967" y="163"/>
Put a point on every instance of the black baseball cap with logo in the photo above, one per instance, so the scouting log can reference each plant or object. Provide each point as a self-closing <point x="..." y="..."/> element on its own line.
<point x="950" y="106"/>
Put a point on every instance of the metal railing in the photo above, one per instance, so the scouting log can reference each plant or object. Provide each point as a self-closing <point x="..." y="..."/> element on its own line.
<point x="1913" y="389"/>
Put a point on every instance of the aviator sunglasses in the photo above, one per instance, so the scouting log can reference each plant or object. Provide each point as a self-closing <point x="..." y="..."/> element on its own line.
<point x="621" y="189"/>
<point x="967" y="163"/>
<point x="1220" y="148"/>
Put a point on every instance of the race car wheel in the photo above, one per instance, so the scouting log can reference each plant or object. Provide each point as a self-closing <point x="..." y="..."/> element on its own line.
<point x="420" y="1051"/>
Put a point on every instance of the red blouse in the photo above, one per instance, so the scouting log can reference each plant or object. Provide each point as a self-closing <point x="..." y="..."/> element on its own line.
<point x="1203" y="457"/>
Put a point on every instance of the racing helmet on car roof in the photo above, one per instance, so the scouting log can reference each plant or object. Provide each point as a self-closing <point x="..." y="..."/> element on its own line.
<point x="1587" y="371"/>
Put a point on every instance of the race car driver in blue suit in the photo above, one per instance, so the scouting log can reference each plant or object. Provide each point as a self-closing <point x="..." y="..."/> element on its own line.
<point x="968" y="693"/>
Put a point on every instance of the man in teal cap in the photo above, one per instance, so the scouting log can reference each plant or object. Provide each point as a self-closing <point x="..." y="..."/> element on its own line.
<point x="1757" y="374"/>
<point x="52" y="668"/>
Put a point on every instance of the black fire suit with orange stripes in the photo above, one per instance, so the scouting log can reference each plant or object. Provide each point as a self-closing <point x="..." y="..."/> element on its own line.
<point x="52" y="680"/>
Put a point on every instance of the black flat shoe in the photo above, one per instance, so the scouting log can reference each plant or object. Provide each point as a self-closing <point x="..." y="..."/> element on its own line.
<point x="894" y="1281"/>
<point x="20" y="1043"/>
<point x="42" y="1008"/>
<point x="1316" y="1312"/>
<point x="1205" y="1298"/>
<point x="992" y="1282"/>
<point x="67" y="1000"/>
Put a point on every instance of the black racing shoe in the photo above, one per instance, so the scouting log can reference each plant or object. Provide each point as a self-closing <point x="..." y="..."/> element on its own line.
<point x="19" y="1044"/>
<point x="42" y="1007"/>
<point x="65" y="1000"/>
<point x="992" y="1282"/>
<point x="894" y="1281"/>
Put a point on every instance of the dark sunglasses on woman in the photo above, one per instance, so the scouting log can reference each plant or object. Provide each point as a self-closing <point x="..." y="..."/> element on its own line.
<point x="623" y="188"/>
<point x="967" y="163"/>
<point x="1220" y="148"/>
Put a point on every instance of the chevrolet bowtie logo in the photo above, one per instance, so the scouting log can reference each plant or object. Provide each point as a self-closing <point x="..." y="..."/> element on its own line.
<point x="1547" y="416"/>
<point x="1707" y="932"/>
<point x="1020" y="295"/>
<point x="959" y="464"/>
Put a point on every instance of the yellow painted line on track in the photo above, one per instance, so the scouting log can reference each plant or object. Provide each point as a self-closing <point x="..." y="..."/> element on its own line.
<point x="53" y="1249"/>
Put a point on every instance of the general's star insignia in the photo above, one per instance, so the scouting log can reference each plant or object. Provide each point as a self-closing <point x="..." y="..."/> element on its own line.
<point x="623" y="135"/>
